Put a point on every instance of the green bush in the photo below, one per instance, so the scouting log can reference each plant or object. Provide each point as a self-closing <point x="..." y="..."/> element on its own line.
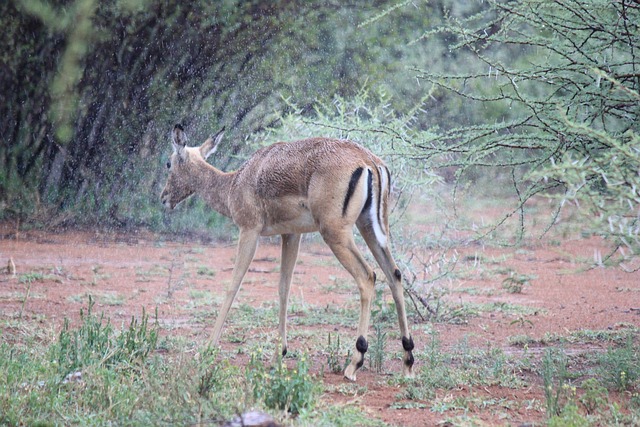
<point x="554" y="376"/>
<point x="595" y="396"/>
<point x="377" y="348"/>
<point x="96" y="342"/>
<point x="291" y="390"/>
<point x="620" y="367"/>
<point x="569" y="417"/>
<point x="338" y="357"/>
<point x="96" y="374"/>
<point x="560" y="86"/>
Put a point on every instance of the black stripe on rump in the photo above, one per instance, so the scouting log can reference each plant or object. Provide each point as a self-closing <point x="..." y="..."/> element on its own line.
<point x="379" y="198"/>
<point x="355" y="176"/>
<point x="367" y="204"/>
<point x="388" y="189"/>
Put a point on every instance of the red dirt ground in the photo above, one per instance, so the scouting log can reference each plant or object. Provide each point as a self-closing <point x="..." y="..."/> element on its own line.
<point x="126" y="273"/>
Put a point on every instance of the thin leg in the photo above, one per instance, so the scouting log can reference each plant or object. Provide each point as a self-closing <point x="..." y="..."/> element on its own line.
<point x="290" y="247"/>
<point x="394" y="279"/>
<point x="346" y="251"/>
<point x="247" y="245"/>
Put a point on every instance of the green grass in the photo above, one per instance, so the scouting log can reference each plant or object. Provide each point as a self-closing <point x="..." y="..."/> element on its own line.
<point x="99" y="375"/>
<point x="377" y="349"/>
<point x="617" y="336"/>
<point x="291" y="390"/>
<point x="338" y="356"/>
<point x="463" y="366"/>
<point x="155" y="271"/>
<point x="91" y="372"/>
<point x="87" y="374"/>
<point x="201" y="298"/>
<point x="205" y="271"/>
<point x="113" y="299"/>
<point x="516" y="282"/>
<point x="36" y="276"/>
<point x="576" y="386"/>
<point x="501" y="307"/>
<point x="619" y="367"/>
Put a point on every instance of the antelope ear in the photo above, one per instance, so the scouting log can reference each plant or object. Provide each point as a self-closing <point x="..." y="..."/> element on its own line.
<point x="179" y="139"/>
<point x="211" y="144"/>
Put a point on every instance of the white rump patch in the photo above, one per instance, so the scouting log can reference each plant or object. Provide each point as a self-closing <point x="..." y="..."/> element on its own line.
<point x="384" y="179"/>
<point x="373" y="212"/>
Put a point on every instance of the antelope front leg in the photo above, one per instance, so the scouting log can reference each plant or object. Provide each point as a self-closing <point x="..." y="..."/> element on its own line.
<point x="247" y="244"/>
<point x="290" y="247"/>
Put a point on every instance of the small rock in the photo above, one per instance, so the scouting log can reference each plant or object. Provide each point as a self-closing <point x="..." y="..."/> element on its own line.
<point x="74" y="377"/>
<point x="252" y="419"/>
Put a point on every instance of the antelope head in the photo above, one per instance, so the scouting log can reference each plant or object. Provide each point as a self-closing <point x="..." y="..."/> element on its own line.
<point x="184" y="166"/>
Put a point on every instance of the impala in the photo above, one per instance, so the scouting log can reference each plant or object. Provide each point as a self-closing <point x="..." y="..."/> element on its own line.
<point x="317" y="184"/>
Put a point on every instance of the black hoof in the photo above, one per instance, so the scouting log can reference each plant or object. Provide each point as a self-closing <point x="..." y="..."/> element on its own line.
<point x="362" y="346"/>
<point x="407" y="343"/>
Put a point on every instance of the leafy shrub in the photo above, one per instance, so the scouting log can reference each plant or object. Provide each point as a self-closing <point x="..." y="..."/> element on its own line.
<point x="290" y="390"/>
<point x="95" y="342"/>
<point x="212" y="374"/>
<point x="562" y="118"/>
<point x="595" y="396"/>
<point x="377" y="349"/>
<point x="334" y="355"/>
<point x="620" y="367"/>
<point x="554" y="376"/>
<point x="569" y="417"/>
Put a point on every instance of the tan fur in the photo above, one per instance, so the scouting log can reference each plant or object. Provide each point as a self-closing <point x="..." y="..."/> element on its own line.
<point x="290" y="189"/>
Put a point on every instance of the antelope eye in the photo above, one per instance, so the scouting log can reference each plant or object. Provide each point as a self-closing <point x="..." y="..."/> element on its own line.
<point x="168" y="164"/>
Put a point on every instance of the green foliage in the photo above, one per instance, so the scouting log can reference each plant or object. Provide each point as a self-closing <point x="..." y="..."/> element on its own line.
<point x="515" y="282"/>
<point x="96" y="343"/>
<point x="185" y="384"/>
<point x="463" y="365"/>
<point x="205" y="271"/>
<point x="115" y="377"/>
<point x="553" y="95"/>
<point x="620" y="367"/>
<point x="540" y="95"/>
<point x="336" y="360"/>
<point x="86" y="135"/>
<point x="558" y="392"/>
<point x="291" y="390"/>
<point x="213" y="374"/>
<point x="595" y="396"/>
<point x="339" y="416"/>
<point x="569" y="417"/>
<point x="35" y="276"/>
<point x="377" y="348"/>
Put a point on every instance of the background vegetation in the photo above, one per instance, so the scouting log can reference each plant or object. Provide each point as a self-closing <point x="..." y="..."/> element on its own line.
<point x="543" y="95"/>
<point x="531" y="100"/>
<point x="91" y="88"/>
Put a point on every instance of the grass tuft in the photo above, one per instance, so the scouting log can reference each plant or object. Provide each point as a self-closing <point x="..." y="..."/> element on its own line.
<point x="291" y="390"/>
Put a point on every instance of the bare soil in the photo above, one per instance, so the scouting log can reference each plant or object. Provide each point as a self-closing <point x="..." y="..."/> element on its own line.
<point x="126" y="273"/>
